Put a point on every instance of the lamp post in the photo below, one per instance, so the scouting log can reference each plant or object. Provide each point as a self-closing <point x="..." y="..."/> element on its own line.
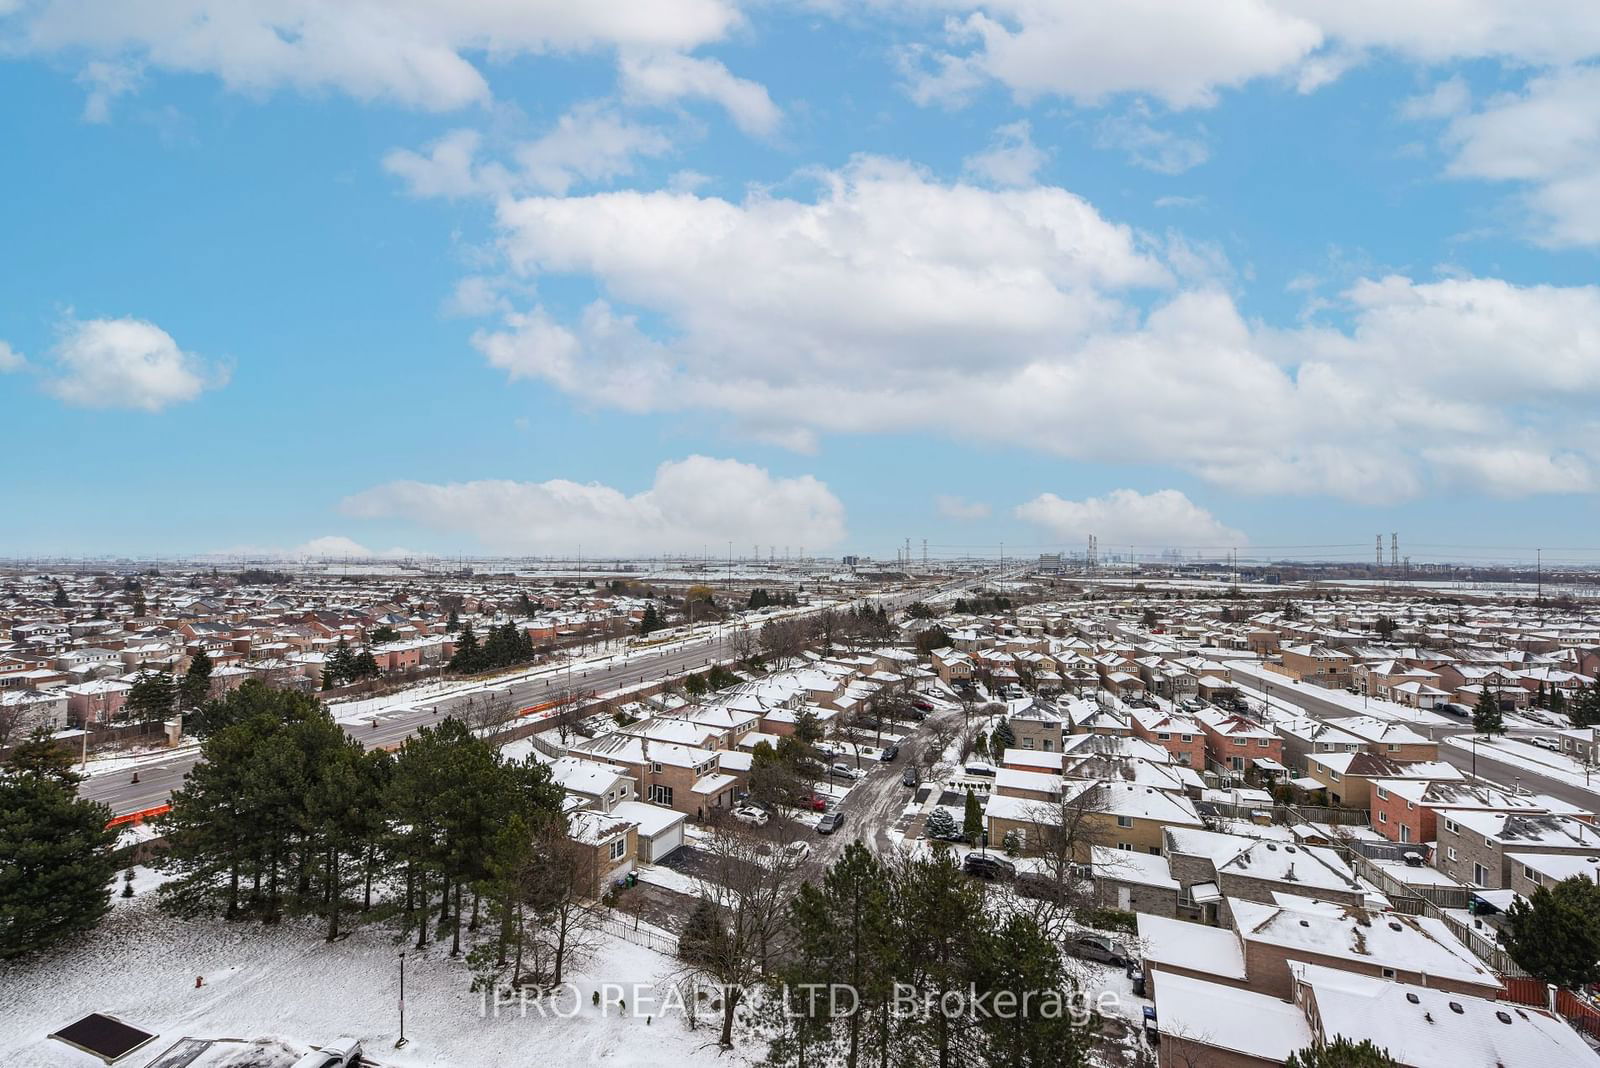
<point x="401" y="1041"/>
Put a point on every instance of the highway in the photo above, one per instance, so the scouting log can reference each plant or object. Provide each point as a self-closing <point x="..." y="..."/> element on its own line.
<point x="160" y="774"/>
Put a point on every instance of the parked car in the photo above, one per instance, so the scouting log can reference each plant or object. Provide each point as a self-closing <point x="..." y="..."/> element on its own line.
<point x="345" y="1053"/>
<point x="988" y="866"/>
<point x="1545" y="742"/>
<point x="890" y="751"/>
<point x="909" y="777"/>
<point x="1040" y="887"/>
<point x="813" y="802"/>
<point x="1098" y="947"/>
<point x="751" y="815"/>
<point x="844" y="771"/>
<point x="796" y="851"/>
<point x="830" y="822"/>
<point x="922" y="706"/>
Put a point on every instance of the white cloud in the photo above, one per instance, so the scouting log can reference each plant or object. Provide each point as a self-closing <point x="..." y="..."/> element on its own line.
<point x="1159" y="520"/>
<point x="1513" y="471"/>
<point x="10" y="359"/>
<point x="1012" y="159"/>
<point x="106" y="81"/>
<point x="1547" y="138"/>
<point x="127" y="363"/>
<point x="592" y="143"/>
<point x="1445" y="100"/>
<point x="410" y="52"/>
<point x="1183" y="53"/>
<point x="661" y="78"/>
<point x="691" y="503"/>
<point x="960" y="508"/>
<point x="892" y="303"/>
<point x="1150" y="147"/>
<point x="327" y="547"/>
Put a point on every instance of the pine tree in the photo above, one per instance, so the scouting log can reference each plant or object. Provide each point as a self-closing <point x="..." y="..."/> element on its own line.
<point x="941" y="826"/>
<point x="139" y="605"/>
<point x="651" y="620"/>
<point x="972" y="818"/>
<point x="1555" y="934"/>
<point x="468" y="657"/>
<point x="1002" y="739"/>
<point x="1558" y="701"/>
<point x="151" y="698"/>
<point x="365" y="665"/>
<point x="1342" y="1053"/>
<point x="56" y="877"/>
<point x="195" y="689"/>
<point x="340" y="666"/>
<point x="60" y="600"/>
<point x="1486" y="718"/>
<point x="1585" y="709"/>
<point x="383" y="635"/>
<point x="453" y="622"/>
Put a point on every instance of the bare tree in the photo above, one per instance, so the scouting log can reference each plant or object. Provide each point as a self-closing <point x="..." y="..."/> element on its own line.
<point x="745" y="645"/>
<point x="484" y="713"/>
<point x="747" y="886"/>
<point x="1061" y="836"/>
<point x="567" y="882"/>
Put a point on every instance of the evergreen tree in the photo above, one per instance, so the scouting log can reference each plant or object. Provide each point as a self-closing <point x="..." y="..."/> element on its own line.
<point x="972" y="818"/>
<point x="41" y="754"/>
<point x="1342" y="1053"/>
<point x="1558" y="701"/>
<point x="56" y="875"/>
<point x="339" y="667"/>
<point x="1486" y="718"/>
<point x="139" y="605"/>
<point x="1585" y="710"/>
<point x="941" y="826"/>
<point x="60" y="600"/>
<point x="1555" y="934"/>
<point x="697" y="941"/>
<point x="151" y="698"/>
<point x="1002" y="739"/>
<point x="468" y="657"/>
<point x="1019" y="963"/>
<point x="195" y="689"/>
<point x="651" y="620"/>
<point x="365" y="665"/>
<point x="453" y="622"/>
<point x="382" y="635"/>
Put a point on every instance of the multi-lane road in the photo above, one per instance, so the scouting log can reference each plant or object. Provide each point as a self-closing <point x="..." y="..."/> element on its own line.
<point x="160" y="774"/>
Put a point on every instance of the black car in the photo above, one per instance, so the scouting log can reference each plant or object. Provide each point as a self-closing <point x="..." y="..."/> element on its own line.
<point x="909" y="777"/>
<point x="830" y="822"/>
<point x="889" y="753"/>
<point x="988" y="866"/>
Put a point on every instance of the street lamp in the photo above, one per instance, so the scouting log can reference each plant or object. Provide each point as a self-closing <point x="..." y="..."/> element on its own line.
<point x="401" y="1041"/>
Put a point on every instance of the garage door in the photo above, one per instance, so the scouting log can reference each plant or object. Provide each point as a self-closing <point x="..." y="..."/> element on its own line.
<point x="666" y="842"/>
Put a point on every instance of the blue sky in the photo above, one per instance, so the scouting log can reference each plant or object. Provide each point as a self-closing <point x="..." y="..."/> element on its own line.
<point x="484" y="277"/>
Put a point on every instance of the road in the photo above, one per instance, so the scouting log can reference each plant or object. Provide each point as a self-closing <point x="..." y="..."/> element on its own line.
<point x="161" y="774"/>
<point x="1494" y="771"/>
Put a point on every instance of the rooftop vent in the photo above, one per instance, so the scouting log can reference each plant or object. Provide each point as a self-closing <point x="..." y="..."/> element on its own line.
<point x="1503" y="1017"/>
<point x="1455" y="1007"/>
<point x="1394" y="926"/>
<point x="1412" y="997"/>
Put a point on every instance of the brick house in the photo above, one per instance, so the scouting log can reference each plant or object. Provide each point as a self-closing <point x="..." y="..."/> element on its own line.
<point x="1473" y="846"/>
<point x="1179" y="735"/>
<point x="1407" y="810"/>
<point x="1232" y="741"/>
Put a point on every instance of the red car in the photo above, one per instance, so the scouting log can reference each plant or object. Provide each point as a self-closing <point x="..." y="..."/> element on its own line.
<point x="922" y="706"/>
<point x="813" y="802"/>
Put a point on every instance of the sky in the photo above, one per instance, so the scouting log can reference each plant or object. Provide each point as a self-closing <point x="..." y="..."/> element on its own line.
<point x="528" y="277"/>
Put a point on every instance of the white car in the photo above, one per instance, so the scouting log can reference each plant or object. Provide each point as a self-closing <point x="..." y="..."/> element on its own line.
<point x="345" y="1053"/>
<point x="752" y="815"/>
<point x="845" y="771"/>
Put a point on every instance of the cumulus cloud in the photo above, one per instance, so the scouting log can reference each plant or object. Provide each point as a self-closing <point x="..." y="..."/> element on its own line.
<point x="410" y="52"/>
<point x="960" y="508"/>
<point x="10" y="359"/>
<point x="1012" y="159"/>
<point x="661" y="78"/>
<point x="127" y="363"/>
<point x="690" y="503"/>
<point x="893" y="302"/>
<point x="1163" y="519"/>
<point x="592" y="143"/>
<point x="1545" y="138"/>
<point x="1183" y="53"/>
<point x="327" y="547"/>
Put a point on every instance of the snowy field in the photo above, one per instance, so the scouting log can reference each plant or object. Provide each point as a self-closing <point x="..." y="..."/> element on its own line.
<point x="288" y="986"/>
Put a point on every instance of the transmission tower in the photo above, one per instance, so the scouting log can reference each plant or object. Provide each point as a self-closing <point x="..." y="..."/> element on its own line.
<point x="1394" y="550"/>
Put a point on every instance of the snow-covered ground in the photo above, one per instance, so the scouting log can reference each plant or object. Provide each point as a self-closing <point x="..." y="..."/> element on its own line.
<point x="288" y="985"/>
<point x="1530" y="758"/>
